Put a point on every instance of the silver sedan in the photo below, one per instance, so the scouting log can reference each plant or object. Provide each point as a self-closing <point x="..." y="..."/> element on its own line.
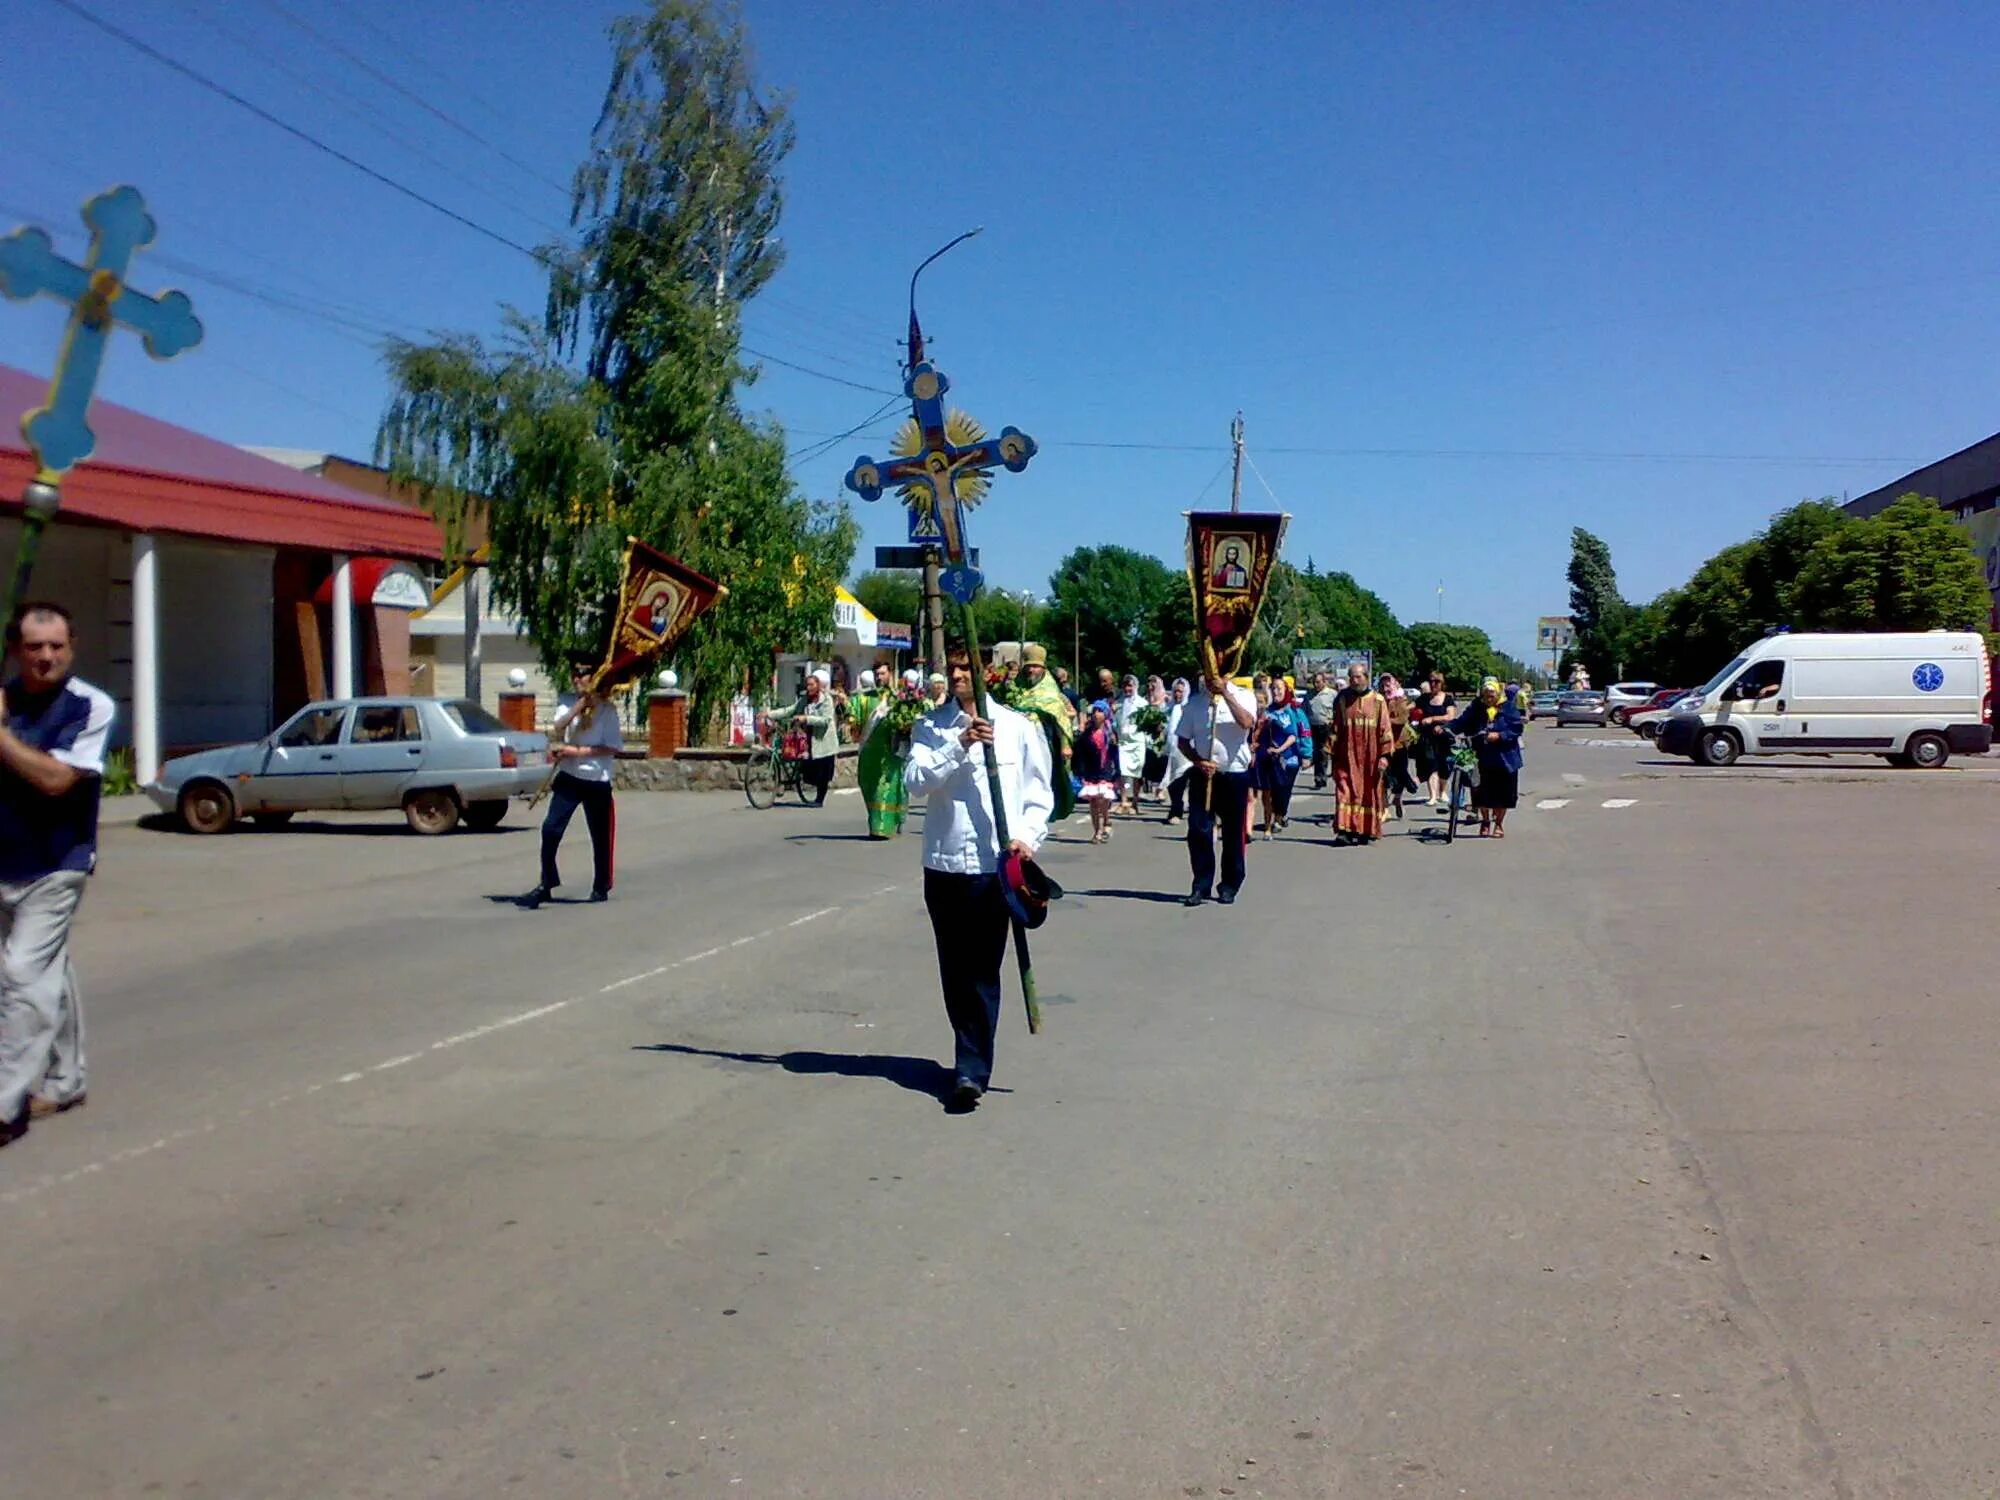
<point x="438" y="760"/>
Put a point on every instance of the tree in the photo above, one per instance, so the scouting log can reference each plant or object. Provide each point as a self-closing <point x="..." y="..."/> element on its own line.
<point x="1464" y="653"/>
<point x="617" y="413"/>
<point x="1911" y="567"/>
<point x="1604" y="621"/>
<point x="896" y="595"/>
<point x="1108" y="596"/>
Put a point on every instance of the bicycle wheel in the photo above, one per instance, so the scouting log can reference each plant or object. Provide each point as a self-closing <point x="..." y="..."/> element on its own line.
<point x="760" y="782"/>
<point x="1451" y="810"/>
<point x="795" y="777"/>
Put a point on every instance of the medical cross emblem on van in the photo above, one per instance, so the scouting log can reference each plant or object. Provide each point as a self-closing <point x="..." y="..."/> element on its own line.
<point x="1928" y="677"/>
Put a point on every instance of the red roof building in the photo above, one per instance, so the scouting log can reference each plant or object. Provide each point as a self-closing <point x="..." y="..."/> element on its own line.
<point x="201" y="577"/>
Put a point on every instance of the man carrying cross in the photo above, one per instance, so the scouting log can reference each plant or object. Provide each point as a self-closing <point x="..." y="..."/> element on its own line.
<point x="53" y="729"/>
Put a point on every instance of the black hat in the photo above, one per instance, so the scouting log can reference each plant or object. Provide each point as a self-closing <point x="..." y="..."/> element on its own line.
<point x="1027" y="888"/>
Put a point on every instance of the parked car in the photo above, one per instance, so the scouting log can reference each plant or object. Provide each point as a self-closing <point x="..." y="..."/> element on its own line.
<point x="1580" y="708"/>
<point x="438" y="760"/>
<point x="1914" y="698"/>
<point x="1544" y="705"/>
<point x="1622" y="697"/>
<point x="1645" y="719"/>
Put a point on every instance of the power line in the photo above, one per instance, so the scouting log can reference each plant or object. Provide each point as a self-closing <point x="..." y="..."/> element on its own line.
<point x="1262" y="480"/>
<point x="415" y="98"/>
<point x="204" y="81"/>
<point x="814" y="450"/>
<point x="819" y="375"/>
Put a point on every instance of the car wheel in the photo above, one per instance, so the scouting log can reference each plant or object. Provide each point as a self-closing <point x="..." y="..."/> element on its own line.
<point x="483" y="816"/>
<point x="206" y="807"/>
<point x="1618" y="717"/>
<point x="1649" y="731"/>
<point x="431" y="812"/>
<point x="1927" y="751"/>
<point x="271" y="819"/>
<point x="1718" y="747"/>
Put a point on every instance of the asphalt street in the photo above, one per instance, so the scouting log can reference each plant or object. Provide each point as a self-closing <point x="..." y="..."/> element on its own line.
<point x="1648" y="1152"/>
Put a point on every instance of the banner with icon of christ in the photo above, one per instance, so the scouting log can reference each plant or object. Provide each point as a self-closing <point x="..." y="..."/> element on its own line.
<point x="1229" y="566"/>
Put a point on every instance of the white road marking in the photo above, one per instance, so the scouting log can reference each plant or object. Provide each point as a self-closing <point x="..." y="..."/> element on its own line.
<point x="1552" y="803"/>
<point x="847" y="791"/>
<point x="1621" y="801"/>
<point x="29" y="1190"/>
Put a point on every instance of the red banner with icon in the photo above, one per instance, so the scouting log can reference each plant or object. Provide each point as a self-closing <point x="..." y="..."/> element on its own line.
<point x="1229" y="566"/>
<point x="658" y="598"/>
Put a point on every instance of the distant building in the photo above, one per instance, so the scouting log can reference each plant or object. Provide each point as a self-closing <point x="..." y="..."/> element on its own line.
<point x="1967" y="484"/>
<point x="202" y="577"/>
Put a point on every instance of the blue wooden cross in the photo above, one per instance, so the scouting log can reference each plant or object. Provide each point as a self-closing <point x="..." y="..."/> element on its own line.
<point x="59" y="430"/>
<point x="938" y="465"/>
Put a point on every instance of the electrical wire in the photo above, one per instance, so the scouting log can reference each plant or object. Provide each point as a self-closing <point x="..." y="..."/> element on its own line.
<point x="873" y="390"/>
<point x="1261" y="479"/>
<point x="145" y="49"/>
<point x="415" y="98"/>
<point x="815" y="450"/>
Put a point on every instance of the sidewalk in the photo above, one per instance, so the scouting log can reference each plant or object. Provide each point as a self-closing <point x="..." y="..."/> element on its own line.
<point x="121" y="811"/>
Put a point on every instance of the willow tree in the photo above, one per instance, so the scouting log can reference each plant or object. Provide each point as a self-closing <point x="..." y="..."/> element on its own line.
<point x="618" y="410"/>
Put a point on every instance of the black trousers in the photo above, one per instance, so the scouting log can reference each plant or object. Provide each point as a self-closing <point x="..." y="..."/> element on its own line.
<point x="1322" y="744"/>
<point x="1227" y="799"/>
<point x="817" y="773"/>
<point x="1177" y="795"/>
<point x="969" y="921"/>
<point x="565" y="797"/>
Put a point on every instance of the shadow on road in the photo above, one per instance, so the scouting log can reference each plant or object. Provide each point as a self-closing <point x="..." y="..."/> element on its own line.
<point x="920" y="1075"/>
<point x="1133" y="895"/>
<point x="833" y="838"/>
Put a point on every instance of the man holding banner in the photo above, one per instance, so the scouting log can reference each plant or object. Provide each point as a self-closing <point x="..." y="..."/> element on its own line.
<point x="658" y="598"/>
<point x="1229" y="566"/>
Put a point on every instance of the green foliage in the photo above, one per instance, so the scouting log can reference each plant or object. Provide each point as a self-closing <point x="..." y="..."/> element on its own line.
<point x="1113" y="598"/>
<point x="618" y="412"/>
<point x="1464" y="653"/>
<point x="896" y="595"/>
<point x="1593" y="583"/>
<point x="1909" y="568"/>
<point x="119" y="780"/>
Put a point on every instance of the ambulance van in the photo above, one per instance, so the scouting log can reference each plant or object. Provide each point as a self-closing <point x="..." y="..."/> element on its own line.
<point x="1914" y="699"/>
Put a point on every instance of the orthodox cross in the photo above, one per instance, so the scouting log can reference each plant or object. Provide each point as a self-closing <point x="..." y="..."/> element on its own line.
<point x="939" y="465"/>
<point x="59" y="430"/>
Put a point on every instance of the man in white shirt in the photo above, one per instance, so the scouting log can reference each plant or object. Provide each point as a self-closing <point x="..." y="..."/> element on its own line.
<point x="1219" y="786"/>
<point x="584" y="741"/>
<point x="962" y="852"/>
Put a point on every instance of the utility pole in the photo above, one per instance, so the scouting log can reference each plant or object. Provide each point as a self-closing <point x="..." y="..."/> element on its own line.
<point x="469" y="597"/>
<point x="1236" y="481"/>
<point x="933" y="611"/>
<point x="1440" y="601"/>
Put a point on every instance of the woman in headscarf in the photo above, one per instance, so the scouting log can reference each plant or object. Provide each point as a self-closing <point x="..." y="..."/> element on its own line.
<point x="1131" y="743"/>
<point x="1178" y="765"/>
<point x="814" y="712"/>
<point x="1494" y="727"/>
<point x="1399" y="726"/>
<point x="1094" y="760"/>
<point x="1278" y="740"/>
<point x="1153" y="777"/>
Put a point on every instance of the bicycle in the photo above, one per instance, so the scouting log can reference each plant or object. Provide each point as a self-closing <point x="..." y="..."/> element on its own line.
<point x="777" y="766"/>
<point x="1464" y="777"/>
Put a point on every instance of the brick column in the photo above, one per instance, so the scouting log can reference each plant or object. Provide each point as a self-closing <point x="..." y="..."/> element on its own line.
<point x="666" y="724"/>
<point x="517" y="711"/>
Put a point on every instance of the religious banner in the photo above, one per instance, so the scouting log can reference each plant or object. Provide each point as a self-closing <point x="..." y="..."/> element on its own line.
<point x="657" y="601"/>
<point x="1229" y="565"/>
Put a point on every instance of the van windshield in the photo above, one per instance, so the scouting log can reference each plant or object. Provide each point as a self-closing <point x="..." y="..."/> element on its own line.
<point x="1714" y="683"/>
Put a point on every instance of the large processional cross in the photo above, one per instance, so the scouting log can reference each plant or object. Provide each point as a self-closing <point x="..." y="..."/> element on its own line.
<point x="58" y="431"/>
<point x="942" y="477"/>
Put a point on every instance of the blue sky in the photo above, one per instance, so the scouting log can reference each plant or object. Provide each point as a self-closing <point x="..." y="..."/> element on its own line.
<point x="1428" y="241"/>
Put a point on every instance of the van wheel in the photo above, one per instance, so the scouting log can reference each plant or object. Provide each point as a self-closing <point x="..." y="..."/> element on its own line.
<point x="206" y="807"/>
<point x="1927" y="752"/>
<point x="431" y="812"/>
<point x="1718" y="747"/>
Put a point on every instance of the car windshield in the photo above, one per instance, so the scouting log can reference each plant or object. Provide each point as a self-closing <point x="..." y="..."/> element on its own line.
<point x="473" y="719"/>
<point x="1714" y="683"/>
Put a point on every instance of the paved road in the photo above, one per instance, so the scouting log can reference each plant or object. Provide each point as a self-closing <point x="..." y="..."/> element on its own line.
<point x="1648" y="1153"/>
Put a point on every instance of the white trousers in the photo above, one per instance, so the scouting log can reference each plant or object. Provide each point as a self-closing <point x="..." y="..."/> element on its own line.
<point x="41" y="1015"/>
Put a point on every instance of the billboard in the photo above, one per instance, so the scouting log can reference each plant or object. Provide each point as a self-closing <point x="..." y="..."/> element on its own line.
<point x="1334" y="662"/>
<point x="1555" y="633"/>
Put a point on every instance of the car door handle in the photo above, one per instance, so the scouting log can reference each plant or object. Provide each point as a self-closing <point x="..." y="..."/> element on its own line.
<point x="414" y="750"/>
<point x="326" y="755"/>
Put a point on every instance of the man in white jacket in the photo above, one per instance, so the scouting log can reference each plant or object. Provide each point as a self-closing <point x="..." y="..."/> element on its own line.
<point x="962" y="856"/>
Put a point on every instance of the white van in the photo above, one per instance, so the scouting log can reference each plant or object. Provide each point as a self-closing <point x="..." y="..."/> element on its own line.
<point x="1913" y="699"/>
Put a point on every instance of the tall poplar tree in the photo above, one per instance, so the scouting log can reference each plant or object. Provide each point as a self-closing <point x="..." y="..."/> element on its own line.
<point x="617" y="410"/>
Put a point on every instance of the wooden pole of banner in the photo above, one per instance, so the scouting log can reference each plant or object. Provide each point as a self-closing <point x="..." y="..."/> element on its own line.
<point x="1000" y="817"/>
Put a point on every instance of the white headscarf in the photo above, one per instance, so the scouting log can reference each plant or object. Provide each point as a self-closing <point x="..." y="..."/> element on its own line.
<point x="913" y="678"/>
<point x="825" y="677"/>
<point x="867" y="681"/>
